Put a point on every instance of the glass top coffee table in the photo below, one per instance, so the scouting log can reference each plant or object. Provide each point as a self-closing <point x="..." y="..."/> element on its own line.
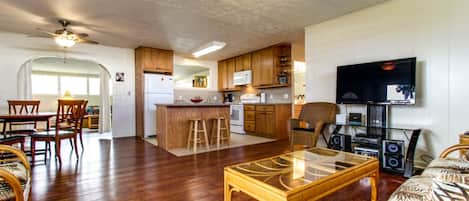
<point x="301" y="175"/>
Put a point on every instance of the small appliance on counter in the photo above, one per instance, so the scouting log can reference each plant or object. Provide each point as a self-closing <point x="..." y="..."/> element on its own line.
<point x="263" y="97"/>
<point x="228" y="98"/>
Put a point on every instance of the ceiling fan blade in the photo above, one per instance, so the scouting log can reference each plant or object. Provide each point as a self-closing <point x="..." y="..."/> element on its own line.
<point x="82" y="40"/>
<point x="46" y="32"/>
<point x="82" y="35"/>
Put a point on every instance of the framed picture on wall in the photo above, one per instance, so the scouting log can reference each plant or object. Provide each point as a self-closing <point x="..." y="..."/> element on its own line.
<point x="120" y="77"/>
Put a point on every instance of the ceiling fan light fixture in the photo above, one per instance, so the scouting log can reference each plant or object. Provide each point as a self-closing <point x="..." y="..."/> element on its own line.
<point x="65" y="40"/>
<point x="208" y="48"/>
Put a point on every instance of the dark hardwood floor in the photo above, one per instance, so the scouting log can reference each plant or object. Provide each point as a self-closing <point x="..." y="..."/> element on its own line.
<point x="131" y="169"/>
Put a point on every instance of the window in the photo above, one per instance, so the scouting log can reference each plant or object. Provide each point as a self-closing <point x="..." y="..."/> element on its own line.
<point x="45" y="84"/>
<point x="75" y="84"/>
<point x="49" y="83"/>
<point x="94" y="86"/>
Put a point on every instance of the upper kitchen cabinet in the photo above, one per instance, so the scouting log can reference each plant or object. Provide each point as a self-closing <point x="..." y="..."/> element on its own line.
<point x="222" y="81"/>
<point x="154" y="60"/>
<point x="271" y="68"/>
<point x="230" y="69"/>
<point x="243" y="62"/>
<point x="226" y="69"/>
<point x="263" y="68"/>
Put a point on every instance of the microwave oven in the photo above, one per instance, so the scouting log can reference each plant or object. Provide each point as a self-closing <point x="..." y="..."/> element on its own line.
<point x="242" y="78"/>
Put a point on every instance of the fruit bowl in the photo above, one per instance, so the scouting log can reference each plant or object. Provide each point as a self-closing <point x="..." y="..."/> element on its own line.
<point x="196" y="100"/>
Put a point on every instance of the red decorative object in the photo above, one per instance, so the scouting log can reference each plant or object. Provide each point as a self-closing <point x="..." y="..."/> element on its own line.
<point x="197" y="99"/>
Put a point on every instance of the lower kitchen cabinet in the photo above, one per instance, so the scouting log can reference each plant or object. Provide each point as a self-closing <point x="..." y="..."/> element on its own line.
<point x="267" y="120"/>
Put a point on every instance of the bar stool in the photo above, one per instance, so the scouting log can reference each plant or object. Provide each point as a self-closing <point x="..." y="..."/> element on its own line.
<point x="194" y="138"/>
<point x="219" y="135"/>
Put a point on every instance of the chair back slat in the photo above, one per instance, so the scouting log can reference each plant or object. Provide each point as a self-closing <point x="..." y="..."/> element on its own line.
<point x="70" y="114"/>
<point x="319" y="111"/>
<point x="23" y="106"/>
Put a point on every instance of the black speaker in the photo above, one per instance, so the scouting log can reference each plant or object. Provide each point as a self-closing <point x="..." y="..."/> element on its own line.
<point x="340" y="142"/>
<point x="393" y="155"/>
<point x="376" y="119"/>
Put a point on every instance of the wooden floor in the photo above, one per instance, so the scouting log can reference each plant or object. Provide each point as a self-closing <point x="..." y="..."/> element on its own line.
<point x="131" y="169"/>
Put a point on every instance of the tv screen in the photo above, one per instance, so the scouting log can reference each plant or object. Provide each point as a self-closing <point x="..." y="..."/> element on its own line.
<point x="383" y="82"/>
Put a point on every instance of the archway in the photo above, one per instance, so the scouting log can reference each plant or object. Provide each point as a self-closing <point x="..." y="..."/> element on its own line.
<point x="49" y="78"/>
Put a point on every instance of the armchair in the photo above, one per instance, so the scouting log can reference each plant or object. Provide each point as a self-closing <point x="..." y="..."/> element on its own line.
<point x="15" y="174"/>
<point x="313" y="118"/>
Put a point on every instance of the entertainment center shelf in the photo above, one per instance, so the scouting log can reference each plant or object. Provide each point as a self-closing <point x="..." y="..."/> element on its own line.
<point x="373" y="139"/>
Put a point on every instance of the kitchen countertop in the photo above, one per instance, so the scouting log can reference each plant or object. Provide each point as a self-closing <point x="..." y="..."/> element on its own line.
<point x="267" y="103"/>
<point x="194" y="105"/>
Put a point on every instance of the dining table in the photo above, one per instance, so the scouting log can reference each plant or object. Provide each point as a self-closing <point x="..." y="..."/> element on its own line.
<point x="32" y="117"/>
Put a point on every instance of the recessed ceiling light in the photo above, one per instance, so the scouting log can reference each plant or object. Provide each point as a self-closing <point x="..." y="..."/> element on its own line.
<point x="210" y="47"/>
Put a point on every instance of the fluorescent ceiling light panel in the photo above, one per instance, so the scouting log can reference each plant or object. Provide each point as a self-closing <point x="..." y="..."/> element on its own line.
<point x="210" y="47"/>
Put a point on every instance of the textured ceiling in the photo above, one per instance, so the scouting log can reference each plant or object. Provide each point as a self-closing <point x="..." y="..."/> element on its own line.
<point x="181" y="25"/>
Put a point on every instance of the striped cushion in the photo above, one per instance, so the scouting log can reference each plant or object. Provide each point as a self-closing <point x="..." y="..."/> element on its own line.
<point x="448" y="191"/>
<point x="17" y="169"/>
<point x="417" y="188"/>
<point x="6" y="192"/>
<point x="448" y="170"/>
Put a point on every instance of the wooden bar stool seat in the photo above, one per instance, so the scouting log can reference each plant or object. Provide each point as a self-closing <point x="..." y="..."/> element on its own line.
<point x="220" y="131"/>
<point x="194" y="138"/>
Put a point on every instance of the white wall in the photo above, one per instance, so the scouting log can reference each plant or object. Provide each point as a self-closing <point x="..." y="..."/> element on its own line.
<point x="434" y="31"/>
<point x="15" y="49"/>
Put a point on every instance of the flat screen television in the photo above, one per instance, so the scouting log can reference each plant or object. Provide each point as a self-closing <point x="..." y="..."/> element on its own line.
<point x="383" y="82"/>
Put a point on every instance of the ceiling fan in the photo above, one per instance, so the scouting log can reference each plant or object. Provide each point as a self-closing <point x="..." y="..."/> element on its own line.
<point x="66" y="38"/>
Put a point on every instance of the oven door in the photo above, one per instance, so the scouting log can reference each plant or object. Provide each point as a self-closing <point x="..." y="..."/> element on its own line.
<point x="236" y="115"/>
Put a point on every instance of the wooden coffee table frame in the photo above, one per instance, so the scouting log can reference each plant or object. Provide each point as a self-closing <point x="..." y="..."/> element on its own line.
<point x="238" y="182"/>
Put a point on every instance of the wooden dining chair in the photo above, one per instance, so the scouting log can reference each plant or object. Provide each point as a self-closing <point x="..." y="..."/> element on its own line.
<point x="67" y="126"/>
<point x="19" y="107"/>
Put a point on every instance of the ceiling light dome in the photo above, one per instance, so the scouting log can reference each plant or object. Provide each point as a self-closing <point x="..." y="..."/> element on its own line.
<point x="65" y="40"/>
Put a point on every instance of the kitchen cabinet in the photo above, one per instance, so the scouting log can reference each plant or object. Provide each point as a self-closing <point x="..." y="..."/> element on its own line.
<point x="263" y="68"/>
<point x="267" y="120"/>
<point x="154" y="60"/>
<point x="243" y="62"/>
<point x="230" y="69"/>
<point x="264" y="122"/>
<point x="267" y="66"/>
<point x="222" y="76"/>
<point x="226" y="69"/>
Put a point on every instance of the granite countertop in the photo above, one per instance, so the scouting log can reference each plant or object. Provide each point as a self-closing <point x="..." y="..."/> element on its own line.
<point x="194" y="105"/>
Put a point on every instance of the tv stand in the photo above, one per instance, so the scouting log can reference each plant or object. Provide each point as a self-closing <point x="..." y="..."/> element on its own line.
<point x="375" y="132"/>
<point x="376" y="141"/>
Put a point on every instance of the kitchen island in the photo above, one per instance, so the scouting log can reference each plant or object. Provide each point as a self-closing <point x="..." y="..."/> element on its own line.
<point x="172" y="121"/>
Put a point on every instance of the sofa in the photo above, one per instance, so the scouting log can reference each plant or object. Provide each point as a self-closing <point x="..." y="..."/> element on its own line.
<point x="445" y="178"/>
<point x="15" y="174"/>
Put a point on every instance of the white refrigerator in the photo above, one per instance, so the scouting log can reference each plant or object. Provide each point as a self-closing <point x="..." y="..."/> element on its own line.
<point x="159" y="89"/>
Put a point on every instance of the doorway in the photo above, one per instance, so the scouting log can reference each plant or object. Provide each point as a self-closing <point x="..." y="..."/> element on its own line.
<point x="50" y="78"/>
